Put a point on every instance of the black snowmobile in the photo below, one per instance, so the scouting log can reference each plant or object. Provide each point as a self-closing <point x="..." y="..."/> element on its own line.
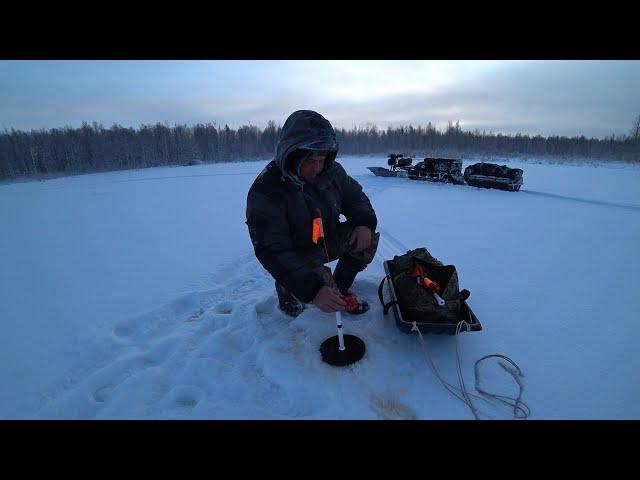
<point x="490" y="175"/>
<point x="445" y="170"/>
<point x="430" y="169"/>
<point x="399" y="166"/>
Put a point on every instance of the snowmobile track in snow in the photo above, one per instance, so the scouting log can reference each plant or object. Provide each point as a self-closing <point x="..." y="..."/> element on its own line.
<point x="635" y="208"/>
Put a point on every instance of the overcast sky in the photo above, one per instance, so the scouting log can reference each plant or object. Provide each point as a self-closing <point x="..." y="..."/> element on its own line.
<point x="591" y="98"/>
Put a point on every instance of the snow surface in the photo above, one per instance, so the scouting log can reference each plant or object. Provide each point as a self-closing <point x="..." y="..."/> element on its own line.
<point x="136" y="294"/>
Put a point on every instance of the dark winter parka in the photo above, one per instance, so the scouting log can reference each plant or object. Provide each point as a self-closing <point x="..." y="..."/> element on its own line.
<point x="281" y="206"/>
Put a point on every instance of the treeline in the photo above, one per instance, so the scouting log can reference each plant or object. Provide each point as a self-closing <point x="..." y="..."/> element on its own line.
<point x="93" y="148"/>
<point x="430" y="140"/>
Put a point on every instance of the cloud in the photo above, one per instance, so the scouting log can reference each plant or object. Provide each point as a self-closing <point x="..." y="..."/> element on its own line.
<point x="546" y="97"/>
<point x="549" y="98"/>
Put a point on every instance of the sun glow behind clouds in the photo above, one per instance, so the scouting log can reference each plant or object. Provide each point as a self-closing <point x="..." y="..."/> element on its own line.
<point x="360" y="81"/>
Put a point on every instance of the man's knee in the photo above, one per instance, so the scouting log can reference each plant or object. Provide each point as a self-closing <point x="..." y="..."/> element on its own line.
<point x="367" y="255"/>
<point x="360" y="260"/>
<point x="370" y="251"/>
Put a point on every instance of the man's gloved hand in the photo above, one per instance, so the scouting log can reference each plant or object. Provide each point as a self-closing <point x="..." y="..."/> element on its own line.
<point x="361" y="237"/>
<point x="329" y="300"/>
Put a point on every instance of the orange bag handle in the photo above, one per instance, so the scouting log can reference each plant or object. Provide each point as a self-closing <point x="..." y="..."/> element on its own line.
<point x="418" y="273"/>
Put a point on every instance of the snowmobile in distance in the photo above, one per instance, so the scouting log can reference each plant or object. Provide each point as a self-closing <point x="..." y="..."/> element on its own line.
<point x="490" y="175"/>
<point x="398" y="161"/>
<point x="399" y="166"/>
<point x="444" y="170"/>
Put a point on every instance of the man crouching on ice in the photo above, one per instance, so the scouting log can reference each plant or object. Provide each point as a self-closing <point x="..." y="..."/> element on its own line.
<point x="293" y="210"/>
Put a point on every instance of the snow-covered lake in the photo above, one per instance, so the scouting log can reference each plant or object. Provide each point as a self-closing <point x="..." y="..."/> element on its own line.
<point x="136" y="295"/>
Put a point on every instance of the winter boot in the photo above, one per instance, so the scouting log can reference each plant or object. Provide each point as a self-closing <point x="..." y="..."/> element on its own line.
<point x="287" y="303"/>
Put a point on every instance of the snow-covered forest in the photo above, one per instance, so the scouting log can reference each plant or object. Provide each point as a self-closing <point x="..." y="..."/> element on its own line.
<point x="94" y="148"/>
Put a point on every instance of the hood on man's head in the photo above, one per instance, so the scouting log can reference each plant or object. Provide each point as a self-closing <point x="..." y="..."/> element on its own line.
<point x="304" y="130"/>
<point x="295" y="159"/>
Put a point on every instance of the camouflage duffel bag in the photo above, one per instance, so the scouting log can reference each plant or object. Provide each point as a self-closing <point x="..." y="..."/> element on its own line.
<point x="415" y="301"/>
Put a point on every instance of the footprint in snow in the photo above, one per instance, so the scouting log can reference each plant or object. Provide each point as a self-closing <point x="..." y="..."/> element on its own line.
<point x="185" y="397"/>
<point x="387" y="407"/>
<point x="245" y="286"/>
<point x="105" y="380"/>
<point x="195" y="315"/>
<point x="225" y="308"/>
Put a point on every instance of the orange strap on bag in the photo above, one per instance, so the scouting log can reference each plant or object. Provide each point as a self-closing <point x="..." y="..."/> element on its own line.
<point x="418" y="273"/>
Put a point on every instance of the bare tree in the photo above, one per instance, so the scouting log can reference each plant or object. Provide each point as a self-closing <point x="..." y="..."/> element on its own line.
<point x="635" y="129"/>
